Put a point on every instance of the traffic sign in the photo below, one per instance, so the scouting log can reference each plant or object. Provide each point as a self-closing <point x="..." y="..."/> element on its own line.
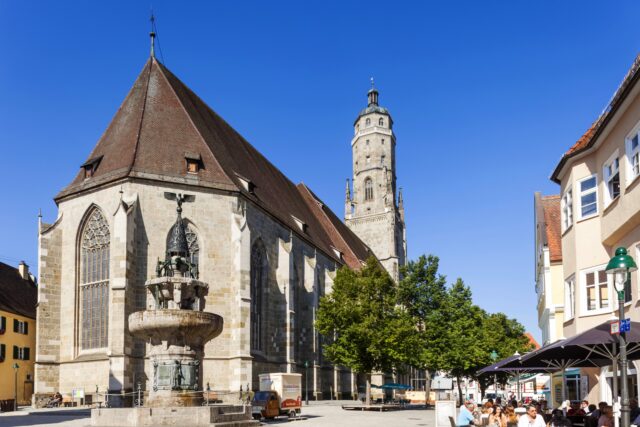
<point x="615" y="327"/>
<point x="625" y="325"/>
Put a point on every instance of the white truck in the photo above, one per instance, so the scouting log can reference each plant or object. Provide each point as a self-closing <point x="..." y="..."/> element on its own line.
<point x="280" y="394"/>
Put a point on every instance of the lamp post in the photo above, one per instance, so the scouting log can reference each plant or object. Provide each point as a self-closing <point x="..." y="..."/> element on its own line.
<point x="15" y="387"/>
<point x="619" y="267"/>
<point x="494" y="357"/>
<point x="306" y="382"/>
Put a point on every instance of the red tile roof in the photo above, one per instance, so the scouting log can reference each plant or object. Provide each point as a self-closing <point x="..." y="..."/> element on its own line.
<point x="551" y="210"/>
<point x="590" y="136"/>
<point x="161" y="121"/>
<point x="17" y="295"/>
<point x="532" y="340"/>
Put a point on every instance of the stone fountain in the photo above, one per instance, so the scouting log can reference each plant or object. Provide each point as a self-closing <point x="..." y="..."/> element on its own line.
<point x="176" y="329"/>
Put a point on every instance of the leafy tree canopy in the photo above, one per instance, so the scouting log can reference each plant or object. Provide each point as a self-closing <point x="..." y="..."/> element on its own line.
<point x="364" y="326"/>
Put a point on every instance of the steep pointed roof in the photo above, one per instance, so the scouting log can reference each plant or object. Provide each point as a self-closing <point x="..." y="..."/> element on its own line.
<point x="161" y="121"/>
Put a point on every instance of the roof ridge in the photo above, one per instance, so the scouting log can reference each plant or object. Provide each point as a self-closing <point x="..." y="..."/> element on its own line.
<point x="144" y="108"/>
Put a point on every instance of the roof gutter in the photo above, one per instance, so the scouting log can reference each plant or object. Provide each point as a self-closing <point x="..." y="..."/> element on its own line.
<point x="605" y="121"/>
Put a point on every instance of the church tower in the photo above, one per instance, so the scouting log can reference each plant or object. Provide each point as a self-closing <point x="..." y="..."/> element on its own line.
<point x="374" y="209"/>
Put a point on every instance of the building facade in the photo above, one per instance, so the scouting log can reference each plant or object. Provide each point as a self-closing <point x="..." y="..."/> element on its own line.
<point x="548" y="267"/>
<point x="375" y="210"/>
<point x="18" y="295"/>
<point x="600" y="211"/>
<point x="268" y="249"/>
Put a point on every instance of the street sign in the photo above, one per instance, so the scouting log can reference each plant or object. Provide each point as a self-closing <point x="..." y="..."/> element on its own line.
<point x="615" y="327"/>
<point x="625" y="325"/>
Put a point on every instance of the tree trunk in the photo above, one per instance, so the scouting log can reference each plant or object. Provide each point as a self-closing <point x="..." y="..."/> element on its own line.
<point x="427" y="386"/>
<point x="460" y="399"/>
<point x="367" y="390"/>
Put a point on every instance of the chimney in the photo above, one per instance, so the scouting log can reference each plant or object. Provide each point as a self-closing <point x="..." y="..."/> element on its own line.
<point x="23" y="269"/>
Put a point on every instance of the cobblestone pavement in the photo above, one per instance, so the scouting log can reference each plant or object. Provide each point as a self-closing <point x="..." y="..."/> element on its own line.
<point x="324" y="413"/>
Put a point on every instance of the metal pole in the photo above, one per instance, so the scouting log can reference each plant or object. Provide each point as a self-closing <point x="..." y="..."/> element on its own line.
<point x="563" y="391"/>
<point x="15" y="391"/>
<point x="615" y="389"/>
<point x="518" y="386"/>
<point x="624" y="419"/>
<point x="306" y="382"/>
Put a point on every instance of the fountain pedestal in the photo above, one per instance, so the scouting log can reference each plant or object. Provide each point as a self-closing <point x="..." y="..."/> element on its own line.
<point x="176" y="329"/>
<point x="176" y="333"/>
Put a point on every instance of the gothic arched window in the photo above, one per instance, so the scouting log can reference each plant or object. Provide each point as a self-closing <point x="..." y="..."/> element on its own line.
<point x="192" y="241"/>
<point x="381" y="122"/>
<point x="94" y="281"/>
<point x="368" y="189"/>
<point x="258" y="279"/>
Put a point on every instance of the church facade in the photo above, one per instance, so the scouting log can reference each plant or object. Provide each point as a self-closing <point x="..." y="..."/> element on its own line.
<point x="268" y="248"/>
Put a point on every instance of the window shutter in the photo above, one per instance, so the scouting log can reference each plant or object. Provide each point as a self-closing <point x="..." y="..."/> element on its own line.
<point x="26" y="328"/>
<point x="16" y="325"/>
<point x="25" y="353"/>
<point x="16" y="352"/>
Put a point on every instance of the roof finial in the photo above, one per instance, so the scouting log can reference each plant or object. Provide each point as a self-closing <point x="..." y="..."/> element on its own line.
<point x="372" y="95"/>
<point x="152" y="34"/>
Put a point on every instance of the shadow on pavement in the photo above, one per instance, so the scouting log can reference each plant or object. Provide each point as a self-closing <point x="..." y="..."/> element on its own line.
<point x="48" y="417"/>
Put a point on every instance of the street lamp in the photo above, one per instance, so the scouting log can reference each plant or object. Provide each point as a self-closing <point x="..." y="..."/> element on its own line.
<point x="15" y="387"/>
<point x="619" y="268"/>
<point x="494" y="357"/>
<point x="306" y="381"/>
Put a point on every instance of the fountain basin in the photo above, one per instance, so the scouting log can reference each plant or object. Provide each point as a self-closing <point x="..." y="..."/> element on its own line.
<point x="193" y="327"/>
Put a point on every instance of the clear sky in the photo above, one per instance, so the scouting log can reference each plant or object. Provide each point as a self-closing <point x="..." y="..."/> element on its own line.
<point x="485" y="96"/>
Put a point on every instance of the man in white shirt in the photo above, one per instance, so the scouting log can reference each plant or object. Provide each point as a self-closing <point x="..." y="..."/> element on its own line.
<point x="531" y="418"/>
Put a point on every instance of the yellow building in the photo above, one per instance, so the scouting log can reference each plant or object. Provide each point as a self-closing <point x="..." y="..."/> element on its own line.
<point x="18" y="298"/>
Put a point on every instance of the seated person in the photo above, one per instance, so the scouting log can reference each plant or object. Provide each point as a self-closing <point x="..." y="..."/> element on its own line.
<point x="56" y="400"/>
<point x="465" y="417"/>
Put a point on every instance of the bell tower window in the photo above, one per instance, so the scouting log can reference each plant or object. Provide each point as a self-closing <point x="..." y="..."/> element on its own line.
<point x="381" y="122"/>
<point x="368" y="189"/>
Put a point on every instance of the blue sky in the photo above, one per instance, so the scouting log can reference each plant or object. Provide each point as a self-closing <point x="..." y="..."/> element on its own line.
<point x="486" y="96"/>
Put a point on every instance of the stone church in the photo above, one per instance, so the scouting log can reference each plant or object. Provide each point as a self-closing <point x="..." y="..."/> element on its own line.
<point x="268" y="248"/>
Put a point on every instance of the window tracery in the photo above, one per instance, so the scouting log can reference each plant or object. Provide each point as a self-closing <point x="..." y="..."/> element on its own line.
<point x="94" y="282"/>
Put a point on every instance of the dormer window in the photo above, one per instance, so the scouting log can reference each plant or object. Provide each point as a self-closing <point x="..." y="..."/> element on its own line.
<point x="194" y="162"/>
<point x="90" y="166"/>
<point x="301" y="224"/>
<point x="246" y="183"/>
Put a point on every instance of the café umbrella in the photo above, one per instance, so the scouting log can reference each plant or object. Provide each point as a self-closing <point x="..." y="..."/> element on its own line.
<point x="595" y="347"/>
<point x="503" y="366"/>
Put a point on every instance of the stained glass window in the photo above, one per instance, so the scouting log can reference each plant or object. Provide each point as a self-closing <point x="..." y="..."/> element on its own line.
<point x="94" y="282"/>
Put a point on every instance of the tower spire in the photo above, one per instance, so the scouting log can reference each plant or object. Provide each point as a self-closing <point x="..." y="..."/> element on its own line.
<point x="152" y="34"/>
<point x="348" y="193"/>
<point x="372" y="95"/>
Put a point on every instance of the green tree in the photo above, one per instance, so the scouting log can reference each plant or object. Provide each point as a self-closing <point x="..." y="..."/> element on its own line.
<point x="423" y="292"/>
<point x="463" y="321"/>
<point x="364" y="326"/>
<point x="503" y="335"/>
